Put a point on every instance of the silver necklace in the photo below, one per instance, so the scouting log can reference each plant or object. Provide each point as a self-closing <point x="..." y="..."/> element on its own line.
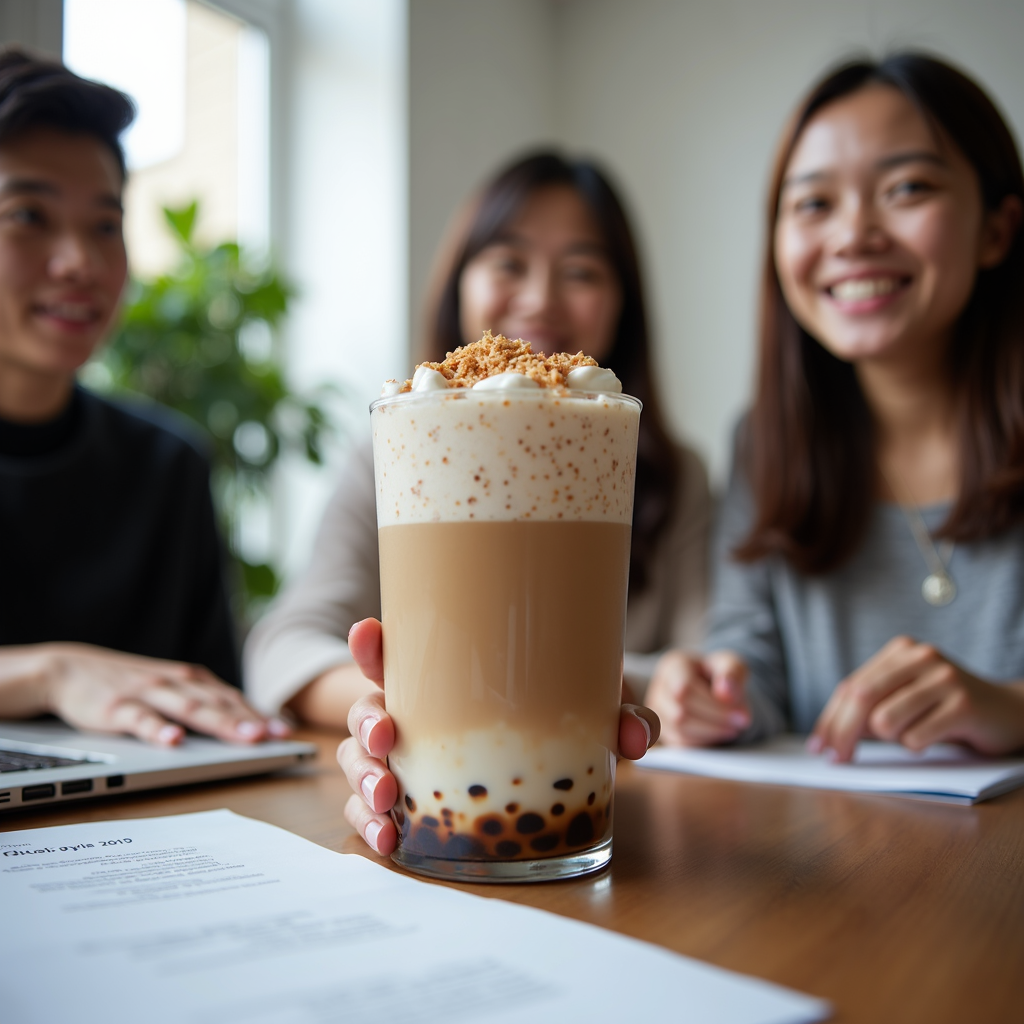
<point x="938" y="588"/>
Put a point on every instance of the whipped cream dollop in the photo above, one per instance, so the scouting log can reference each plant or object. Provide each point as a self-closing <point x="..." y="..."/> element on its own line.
<point x="510" y="380"/>
<point x="582" y="378"/>
<point x="426" y="379"/>
<point x="594" y="378"/>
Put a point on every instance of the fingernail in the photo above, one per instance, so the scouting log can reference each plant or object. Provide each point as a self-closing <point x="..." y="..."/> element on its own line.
<point x="278" y="728"/>
<point x="169" y="734"/>
<point x="815" y="744"/>
<point x="372" y="832"/>
<point x="368" y="786"/>
<point x="365" y="728"/>
<point x="249" y="730"/>
<point x="647" y="729"/>
<point x="739" y="718"/>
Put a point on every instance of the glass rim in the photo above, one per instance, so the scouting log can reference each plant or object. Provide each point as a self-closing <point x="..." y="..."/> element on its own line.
<point x="519" y="394"/>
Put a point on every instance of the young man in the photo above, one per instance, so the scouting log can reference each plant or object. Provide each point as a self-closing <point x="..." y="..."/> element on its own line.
<point x="113" y="612"/>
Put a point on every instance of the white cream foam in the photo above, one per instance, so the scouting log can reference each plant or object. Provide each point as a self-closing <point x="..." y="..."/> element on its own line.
<point x="439" y="764"/>
<point x="465" y="454"/>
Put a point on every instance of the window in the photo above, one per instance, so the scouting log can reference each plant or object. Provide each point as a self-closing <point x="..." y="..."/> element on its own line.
<point x="200" y="79"/>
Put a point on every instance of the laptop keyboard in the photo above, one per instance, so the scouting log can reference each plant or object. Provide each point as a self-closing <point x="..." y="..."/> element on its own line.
<point x="19" y="761"/>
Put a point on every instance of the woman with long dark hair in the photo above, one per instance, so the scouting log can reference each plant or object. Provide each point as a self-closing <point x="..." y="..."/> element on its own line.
<point x="545" y="253"/>
<point x="870" y="558"/>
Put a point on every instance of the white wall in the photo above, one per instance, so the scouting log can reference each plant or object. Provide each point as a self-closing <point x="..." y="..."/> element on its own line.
<point x="344" y="215"/>
<point x="481" y="88"/>
<point x="683" y="102"/>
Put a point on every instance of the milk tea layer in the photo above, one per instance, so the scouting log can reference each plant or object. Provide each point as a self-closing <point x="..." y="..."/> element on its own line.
<point x="504" y="539"/>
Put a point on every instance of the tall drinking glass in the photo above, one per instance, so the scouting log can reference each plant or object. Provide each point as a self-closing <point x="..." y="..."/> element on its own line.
<point x="504" y="524"/>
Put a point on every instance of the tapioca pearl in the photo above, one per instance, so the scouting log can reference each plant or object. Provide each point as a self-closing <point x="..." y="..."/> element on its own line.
<point x="591" y="799"/>
<point x="492" y="826"/>
<point x="438" y="795"/>
<point x="557" y="809"/>
<point x="461" y="847"/>
<point x="430" y="821"/>
<point x="527" y="824"/>
<point x="410" y="803"/>
<point x="511" y="808"/>
<point x="507" y="848"/>
<point x="477" y="792"/>
<point x="544" y="844"/>
<point x="565" y="784"/>
<point x="423" y="841"/>
<point x="580" y="830"/>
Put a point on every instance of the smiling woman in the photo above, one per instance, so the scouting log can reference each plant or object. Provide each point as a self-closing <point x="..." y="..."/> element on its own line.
<point x="891" y="376"/>
<point x="113" y="613"/>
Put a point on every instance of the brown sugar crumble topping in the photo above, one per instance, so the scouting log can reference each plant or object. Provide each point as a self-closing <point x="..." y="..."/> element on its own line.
<point x="494" y="354"/>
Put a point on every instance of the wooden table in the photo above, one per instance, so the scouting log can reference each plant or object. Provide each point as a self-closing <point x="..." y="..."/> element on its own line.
<point x="893" y="909"/>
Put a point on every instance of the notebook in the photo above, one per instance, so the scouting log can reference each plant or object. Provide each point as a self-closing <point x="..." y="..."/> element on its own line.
<point x="943" y="772"/>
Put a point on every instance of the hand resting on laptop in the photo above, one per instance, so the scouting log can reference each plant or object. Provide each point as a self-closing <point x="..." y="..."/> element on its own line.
<point x="107" y="691"/>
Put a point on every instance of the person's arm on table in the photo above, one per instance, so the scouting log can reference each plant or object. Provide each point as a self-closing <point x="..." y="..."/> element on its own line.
<point x="361" y="756"/>
<point x="912" y="694"/>
<point x="327" y="700"/>
<point x="108" y="691"/>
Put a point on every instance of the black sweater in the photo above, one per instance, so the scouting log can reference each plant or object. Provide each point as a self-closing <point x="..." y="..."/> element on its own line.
<point x="108" y="537"/>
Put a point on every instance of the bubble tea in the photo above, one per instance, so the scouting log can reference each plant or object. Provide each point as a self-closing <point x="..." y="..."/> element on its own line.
<point x="504" y="499"/>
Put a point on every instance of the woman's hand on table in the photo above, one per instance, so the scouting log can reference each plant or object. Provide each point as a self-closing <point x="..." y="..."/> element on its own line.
<point x="372" y="735"/>
<point x="911" y="693"/>
<point x="699" y="699"/>
<point x="109" y="691"/>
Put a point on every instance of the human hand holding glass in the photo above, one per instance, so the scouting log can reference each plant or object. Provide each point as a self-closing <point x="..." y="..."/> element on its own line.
<point x="372" y="735"/>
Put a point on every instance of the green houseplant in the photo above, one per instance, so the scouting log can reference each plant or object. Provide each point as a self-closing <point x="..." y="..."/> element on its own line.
<point x="200" y="340"/>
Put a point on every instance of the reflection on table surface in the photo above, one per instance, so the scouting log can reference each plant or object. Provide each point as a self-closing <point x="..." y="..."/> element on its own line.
<point x="893" y="909"/>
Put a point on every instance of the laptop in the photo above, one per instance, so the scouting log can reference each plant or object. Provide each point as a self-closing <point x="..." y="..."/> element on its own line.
<point x="45" y="762"/>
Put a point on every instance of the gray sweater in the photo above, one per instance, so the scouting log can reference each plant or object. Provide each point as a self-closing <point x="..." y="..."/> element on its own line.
<point x="801" y="635"/>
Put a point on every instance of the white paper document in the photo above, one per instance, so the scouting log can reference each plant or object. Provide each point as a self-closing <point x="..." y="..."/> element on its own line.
<point x="942" y="772"/>
<point x="214" y="918"/>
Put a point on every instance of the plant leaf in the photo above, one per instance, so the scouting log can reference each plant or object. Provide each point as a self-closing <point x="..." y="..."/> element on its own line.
<point x="182" y="220"/>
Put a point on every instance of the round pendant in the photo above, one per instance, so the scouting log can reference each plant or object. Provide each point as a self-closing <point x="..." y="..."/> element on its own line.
<point x="938" y="589"/>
